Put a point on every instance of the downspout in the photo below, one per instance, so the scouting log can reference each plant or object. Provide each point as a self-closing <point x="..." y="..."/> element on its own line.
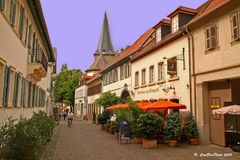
<point x="191" y="67"/>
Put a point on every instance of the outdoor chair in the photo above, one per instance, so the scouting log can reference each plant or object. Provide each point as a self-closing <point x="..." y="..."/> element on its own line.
<point x="124" y="133"/>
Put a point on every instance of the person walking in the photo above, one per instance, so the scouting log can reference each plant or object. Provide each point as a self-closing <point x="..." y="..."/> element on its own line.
<point x="64" y="115"/>
<point x="70" y="118"/>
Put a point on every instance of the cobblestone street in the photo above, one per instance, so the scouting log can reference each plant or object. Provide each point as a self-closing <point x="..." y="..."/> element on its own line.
<point x="85" y="141"/>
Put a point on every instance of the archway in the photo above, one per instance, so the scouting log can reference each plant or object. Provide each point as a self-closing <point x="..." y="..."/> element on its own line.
<point x="124" y="95"/>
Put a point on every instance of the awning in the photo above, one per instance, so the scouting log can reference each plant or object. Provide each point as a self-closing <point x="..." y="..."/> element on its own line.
<point x="118" y="106"/>
<point x="163" y="105"/>
<point x="233" y="109"/>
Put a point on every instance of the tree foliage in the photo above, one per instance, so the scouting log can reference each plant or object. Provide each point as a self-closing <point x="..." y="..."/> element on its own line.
<point x="66" y="82"/>
<point x="107" y="99"/>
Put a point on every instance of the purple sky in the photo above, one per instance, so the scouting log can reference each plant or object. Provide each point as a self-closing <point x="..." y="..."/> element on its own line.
<point x="74" y="25"/>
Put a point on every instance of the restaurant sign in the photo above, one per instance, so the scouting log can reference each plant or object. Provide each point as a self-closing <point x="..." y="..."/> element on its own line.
<point x="148" y="91"/>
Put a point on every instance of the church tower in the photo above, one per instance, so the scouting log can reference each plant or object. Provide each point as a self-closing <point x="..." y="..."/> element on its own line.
<point x="104" y="52"/>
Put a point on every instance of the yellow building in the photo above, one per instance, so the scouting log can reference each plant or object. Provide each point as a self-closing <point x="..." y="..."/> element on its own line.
<point x="214" y="37"/>
<point x="27" y="59"/>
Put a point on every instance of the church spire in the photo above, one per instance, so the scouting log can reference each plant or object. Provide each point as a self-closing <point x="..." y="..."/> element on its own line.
<point x="105" y="43"/>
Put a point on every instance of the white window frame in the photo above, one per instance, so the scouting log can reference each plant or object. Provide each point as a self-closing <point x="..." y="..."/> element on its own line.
<point x="160" y="71"/>
<point x="237" y="27"/>
<point x="136" y="79"/>
<point x="158" y="35"/>
<point x="143" y="76"/>
<point x="210" y="38"/>
<point x="151" y="74"/>
<point x="175" y="23"/>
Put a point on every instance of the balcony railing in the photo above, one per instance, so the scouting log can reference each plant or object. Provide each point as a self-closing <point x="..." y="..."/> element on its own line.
<point x="39" y="57"/>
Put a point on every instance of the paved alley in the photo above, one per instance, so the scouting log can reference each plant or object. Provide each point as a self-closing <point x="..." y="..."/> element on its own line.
<point x="85" y="141"/>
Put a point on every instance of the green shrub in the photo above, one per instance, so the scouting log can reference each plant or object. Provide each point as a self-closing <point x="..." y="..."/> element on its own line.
<point x="172" y="126"/>
<point x="135" y="113"/>
<point x="149" y="124"/>
<point x="24" y="139"/>
<point x="190" y="127"/>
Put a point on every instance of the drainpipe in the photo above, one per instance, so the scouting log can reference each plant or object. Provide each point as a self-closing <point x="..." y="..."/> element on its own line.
<point x="191" y="51"/>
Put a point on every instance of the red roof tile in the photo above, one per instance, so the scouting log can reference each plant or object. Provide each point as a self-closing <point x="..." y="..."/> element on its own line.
<point x="183" y="10"/>
<point x="208" y="8"/>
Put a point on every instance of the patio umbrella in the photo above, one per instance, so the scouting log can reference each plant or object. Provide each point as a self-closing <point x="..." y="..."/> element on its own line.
<point x="117" y="106"/>
<point x="233" y="109"/>
<point x="163" y="105"/>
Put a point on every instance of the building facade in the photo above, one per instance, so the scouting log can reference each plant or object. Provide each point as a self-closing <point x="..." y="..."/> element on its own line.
<point x="27" y="60"/>
<point x="117" y="76"/>
<point x="214" y="36"/>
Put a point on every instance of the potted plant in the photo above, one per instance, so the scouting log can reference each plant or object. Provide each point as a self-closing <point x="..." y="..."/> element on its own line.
<point x="172" y="129"/>
<point x="148" y="125"/>
<point x="191" y="130"/>
<point x="101" y="121"/>
<point x="135" y="113"/>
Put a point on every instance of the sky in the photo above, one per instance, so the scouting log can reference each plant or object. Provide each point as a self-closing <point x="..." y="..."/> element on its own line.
<point x="74" y="26"/>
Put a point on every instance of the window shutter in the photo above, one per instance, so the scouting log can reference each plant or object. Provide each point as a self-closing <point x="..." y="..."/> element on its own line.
<point x="12" y="15"/>
<point x="21" y="19"/>
<point x="26" y="33"/>
<point x="14" y="90"/>
<point x="5" y="87"/>
<point x="33" y="95"/>
<point x="29" y="93"/>
<point x="2" y="5"/>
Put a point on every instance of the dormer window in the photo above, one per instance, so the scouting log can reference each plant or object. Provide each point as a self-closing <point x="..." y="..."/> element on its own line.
<point x="175" y="25"/>
<point x="158" y="35"/>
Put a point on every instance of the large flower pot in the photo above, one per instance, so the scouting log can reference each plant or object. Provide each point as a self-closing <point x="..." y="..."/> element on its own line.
<point x="137" y="140"/>
<point x="193" y="141"/>
<point x="149" y="143"/>
<point x="172" y="143"/>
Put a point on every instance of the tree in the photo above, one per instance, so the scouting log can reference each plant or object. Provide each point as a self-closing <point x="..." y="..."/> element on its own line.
<point x="65" y="84"/>
<point x="107" y="99"/>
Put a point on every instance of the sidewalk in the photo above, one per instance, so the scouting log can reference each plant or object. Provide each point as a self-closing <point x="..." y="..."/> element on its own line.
<point x="85" y="141"/>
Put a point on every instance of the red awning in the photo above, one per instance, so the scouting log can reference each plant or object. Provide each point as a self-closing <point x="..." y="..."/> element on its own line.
<point x="163" y="105"/>
<point x="118" y="106"/>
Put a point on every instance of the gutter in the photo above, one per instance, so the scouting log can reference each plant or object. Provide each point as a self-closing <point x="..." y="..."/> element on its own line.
<point x="192" y="67"/>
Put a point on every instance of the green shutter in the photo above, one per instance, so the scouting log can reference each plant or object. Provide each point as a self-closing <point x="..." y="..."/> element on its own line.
<point x="36" y="98"/>
<point x="2" y="5"/>
<point x="5" y="86"/>
<point x="22" y="92"/>
<point x="16" y="86"/>
<point x="12" y="15"/>
<point x="21" y="19"/>
<point x="33" y="95"/>
<point x="29" y="36"/>
<point x="26" y="33"/>
<point x="29" y="93"/>
<point x="14" y="90"/>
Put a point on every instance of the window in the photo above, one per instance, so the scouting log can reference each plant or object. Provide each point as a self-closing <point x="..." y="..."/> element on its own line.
<point x="158" y="35"/>
<point x="29" y="36"/>
<point x="127" y="70"/>
<point x="160" y="71"/>
<point x="12" y="15"/>
<point x="122" y="72"/>
<point x="115" y="74"/>
<point x="29" y="93"/>
<point x="151" y="74"/>
<point x="143" y="76"/>
<point x="21" y="19"/>
<point x="136" y="79"/>
<point x="2" y="5"/>
<point x="23" y="92"/>
<point x="15" y="90"/>
<point x="172" y="67"/>
<point x="211" y="37"/>
<point x="6" y="85"/>
<point x="175" y="24"/>
<point x="235" y="21"/>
